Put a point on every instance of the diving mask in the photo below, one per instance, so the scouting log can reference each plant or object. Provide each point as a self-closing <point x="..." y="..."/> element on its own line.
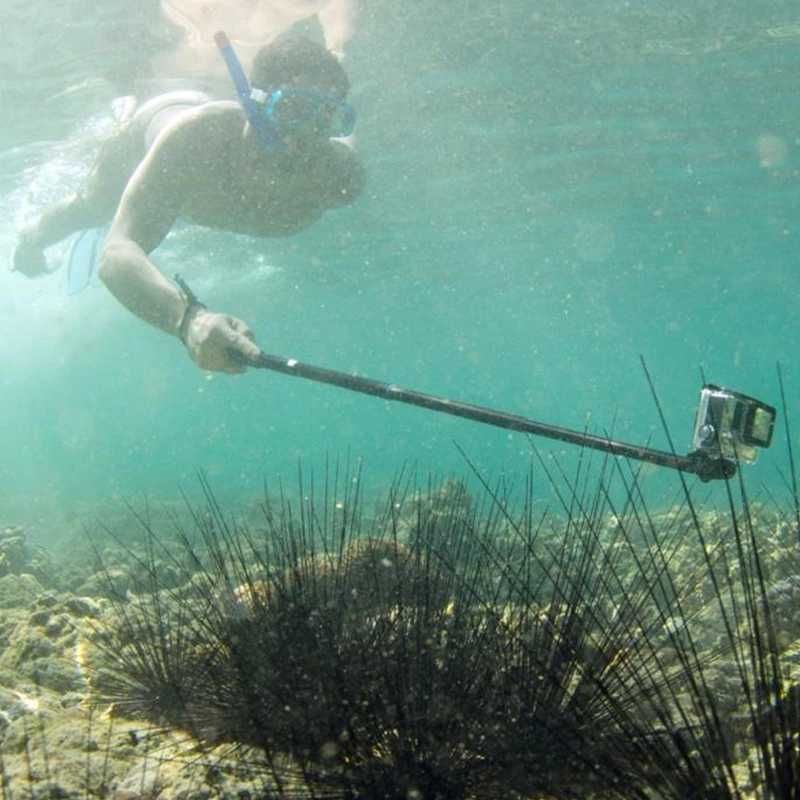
<point x="289" y="109"/>
<point x="282" y="111"/>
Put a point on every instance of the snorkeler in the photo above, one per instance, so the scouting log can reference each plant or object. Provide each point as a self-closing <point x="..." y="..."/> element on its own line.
<point x="268" y="165"/>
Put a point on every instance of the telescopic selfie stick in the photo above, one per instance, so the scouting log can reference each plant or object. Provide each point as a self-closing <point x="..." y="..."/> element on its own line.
<point x="728" y="428"/>
<point x="709" y="461"/>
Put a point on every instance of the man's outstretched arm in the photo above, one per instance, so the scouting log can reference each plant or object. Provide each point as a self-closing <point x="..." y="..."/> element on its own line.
<point x="149" y="207"/>
<point x="75" y="213"/>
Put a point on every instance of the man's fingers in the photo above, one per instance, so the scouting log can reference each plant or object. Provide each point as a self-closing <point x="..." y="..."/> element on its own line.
<point x="241" y="328"/>
<point x="243" y="339"/>
<point x="241" y="349"/>
<point x="228" y="345"/>
<point x="247" y="347"/>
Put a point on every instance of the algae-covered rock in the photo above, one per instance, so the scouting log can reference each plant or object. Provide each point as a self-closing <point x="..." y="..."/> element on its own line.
<point x="58" y="626"/>
<point x="143" y="781"/>
<point x="83" y="607"/>
<point x="113" y="583"/>
<point x="74" y="755"/>
<point x="39" y="647"/>
<point x="783" y="599"/>
<point x="18" y="556"/>
<point x="57" y="674"/>
<point x="40" y="618"/>
<point x="10" y="532"/>
<point x="19" y="591"/>
<point x="69" y="755"/>
<point x="13" y="555"/>
<point x="14" y="705"/>
<point x="47" y="600"/>
<point x="27" y="645"/>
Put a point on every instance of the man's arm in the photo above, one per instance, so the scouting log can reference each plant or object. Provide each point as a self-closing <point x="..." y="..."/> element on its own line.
<point x="94" y="205"/>
<point x="336" y="19"/>
<point x="149" y="207"/>
<point x="75" y="213"/>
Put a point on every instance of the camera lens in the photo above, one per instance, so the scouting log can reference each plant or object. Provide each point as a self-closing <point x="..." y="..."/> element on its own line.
<point x="707" y="434"/>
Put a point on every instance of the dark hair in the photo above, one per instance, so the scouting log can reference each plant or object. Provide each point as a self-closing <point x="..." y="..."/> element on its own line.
<point x="296" y="60"/>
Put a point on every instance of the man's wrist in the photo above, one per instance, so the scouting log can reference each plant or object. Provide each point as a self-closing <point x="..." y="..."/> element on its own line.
<point x="193" y="308"/>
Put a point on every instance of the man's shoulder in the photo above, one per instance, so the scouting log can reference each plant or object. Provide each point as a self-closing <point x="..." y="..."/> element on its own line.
<point x="202" y="125"/>
<point x="197" y="133"/>
<point x="213" y="115"/>
<point x="219" y="109"/>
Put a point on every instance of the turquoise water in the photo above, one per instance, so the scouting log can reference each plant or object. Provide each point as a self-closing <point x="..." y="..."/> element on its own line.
<point x="551" y="194"/>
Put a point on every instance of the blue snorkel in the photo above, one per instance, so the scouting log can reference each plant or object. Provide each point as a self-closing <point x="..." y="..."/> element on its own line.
<point x="265" y="132"/>
<point x="265" y="110"/>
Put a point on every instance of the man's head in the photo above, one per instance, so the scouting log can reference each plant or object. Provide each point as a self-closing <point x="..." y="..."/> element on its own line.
<point x="301" y="88"/>
<point x="296" y="62"/>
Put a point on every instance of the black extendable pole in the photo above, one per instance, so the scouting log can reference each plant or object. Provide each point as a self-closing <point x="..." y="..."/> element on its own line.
<point x="697" y="463"/>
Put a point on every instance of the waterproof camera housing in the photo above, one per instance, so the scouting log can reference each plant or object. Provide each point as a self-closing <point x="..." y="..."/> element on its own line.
<point x="731" y="425"/>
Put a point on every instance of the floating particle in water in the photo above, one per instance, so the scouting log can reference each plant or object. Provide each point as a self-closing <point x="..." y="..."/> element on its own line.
<point x="772" y="150"/>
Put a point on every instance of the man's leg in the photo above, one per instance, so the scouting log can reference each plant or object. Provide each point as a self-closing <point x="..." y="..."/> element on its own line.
<point x="94" y="206"/>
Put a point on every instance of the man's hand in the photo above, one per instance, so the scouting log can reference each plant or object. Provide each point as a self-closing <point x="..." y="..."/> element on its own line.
<point x="219" y="342"/>
<point x="29" y="258"/>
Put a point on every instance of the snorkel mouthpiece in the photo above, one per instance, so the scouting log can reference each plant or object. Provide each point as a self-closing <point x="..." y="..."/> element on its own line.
<point x="266" y="135"/>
